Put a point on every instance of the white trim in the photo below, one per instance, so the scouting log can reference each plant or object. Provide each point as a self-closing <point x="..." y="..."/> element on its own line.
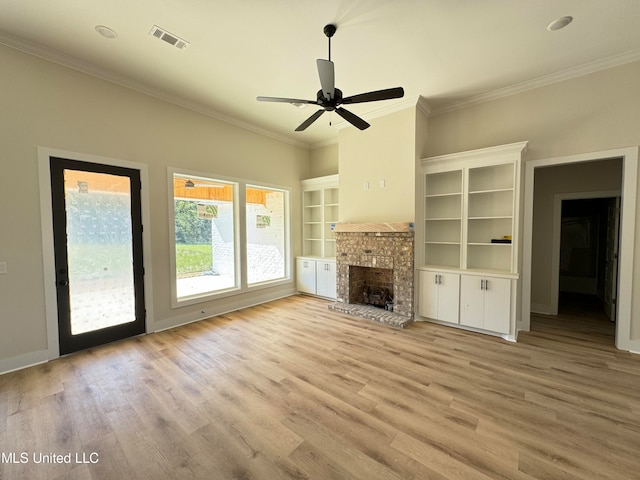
<point x="629" y="157"/>
<point x="397" y="106"/>
<point x="72" y="63"/>
<point x="46" y="220"/>
<point x="568" y="74"/>
<point x="236" y="305"/>
<point x="556" y="234"/>
<point x="492" y="155"/>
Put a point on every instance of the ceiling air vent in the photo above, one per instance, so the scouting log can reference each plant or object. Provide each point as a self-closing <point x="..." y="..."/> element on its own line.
<point x="170" y="38"/>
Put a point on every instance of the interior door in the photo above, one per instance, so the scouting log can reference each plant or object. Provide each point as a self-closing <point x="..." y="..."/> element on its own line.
<point x="611" y="254"/>
<point x="98" y="253"/>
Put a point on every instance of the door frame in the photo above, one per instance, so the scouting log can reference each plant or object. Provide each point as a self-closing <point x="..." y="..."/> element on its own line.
<point x="556" y="237"/>
<point x="629" y="158"/>
<point x="46" y="219"/>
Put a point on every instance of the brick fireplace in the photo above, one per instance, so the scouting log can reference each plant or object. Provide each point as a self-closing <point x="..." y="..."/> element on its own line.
<point x="377" y="256"/>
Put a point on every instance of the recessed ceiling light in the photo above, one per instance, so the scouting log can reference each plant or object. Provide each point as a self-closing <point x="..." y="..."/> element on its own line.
<point x="106" y="32"/>
<point x="559" y="23"/>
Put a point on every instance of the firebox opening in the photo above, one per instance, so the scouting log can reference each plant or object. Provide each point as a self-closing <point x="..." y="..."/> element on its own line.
<point x="371" y="286"/>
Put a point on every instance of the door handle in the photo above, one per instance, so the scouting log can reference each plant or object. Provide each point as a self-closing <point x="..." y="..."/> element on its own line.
<point x="481" y="284"/>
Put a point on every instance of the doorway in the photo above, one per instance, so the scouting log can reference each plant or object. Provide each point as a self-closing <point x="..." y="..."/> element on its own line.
<point x="629" y="158"/>
<point x="98" y="246"/>
<point x="588" y="257"/>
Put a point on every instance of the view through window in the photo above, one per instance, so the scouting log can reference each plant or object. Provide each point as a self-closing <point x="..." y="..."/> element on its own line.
<point x="266" y="234"/>
<point x="207" y="232"/>
<point x="204" y="218"/>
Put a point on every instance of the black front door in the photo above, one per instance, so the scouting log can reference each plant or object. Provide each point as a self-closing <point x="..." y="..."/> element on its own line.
<point x="97" y="232"/>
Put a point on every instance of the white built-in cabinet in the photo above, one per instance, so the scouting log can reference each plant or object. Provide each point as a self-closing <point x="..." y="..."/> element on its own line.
<point x="469" y="207"/>
<point x="316" y="268"/>
<point x="316" y="276"/>
<point x="485" y="302"/>
<point x="439" y="295"/>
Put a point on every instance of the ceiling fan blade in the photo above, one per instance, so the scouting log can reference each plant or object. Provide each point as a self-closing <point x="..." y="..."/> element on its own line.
<point x="353" y="119"/>
<point x="386" y="94"/>
<point x="286" y="100"/>
<point x="309" y="121"/>
<point x="327" y="77"/>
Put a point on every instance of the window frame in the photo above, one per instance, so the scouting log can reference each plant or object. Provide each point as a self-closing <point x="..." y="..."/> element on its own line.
<point x="240" y="237"/>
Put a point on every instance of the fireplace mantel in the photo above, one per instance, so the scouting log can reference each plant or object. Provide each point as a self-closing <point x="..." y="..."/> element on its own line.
<point x="373" y="227"/>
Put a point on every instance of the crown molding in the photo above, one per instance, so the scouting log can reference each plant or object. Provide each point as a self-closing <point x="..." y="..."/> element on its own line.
<point x="568" y="74"/>
<point x="69" y="62"/>
<point x="408" y="102"/>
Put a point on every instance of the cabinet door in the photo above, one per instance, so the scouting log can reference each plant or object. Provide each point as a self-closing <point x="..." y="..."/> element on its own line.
<point x="326" y="279"/>
<point x="472" y="301"/>
<point x="449" y="297"/>
<point x="306" y="275"/>
<point x="428" y="291"/>
<point x="497" y="304"/>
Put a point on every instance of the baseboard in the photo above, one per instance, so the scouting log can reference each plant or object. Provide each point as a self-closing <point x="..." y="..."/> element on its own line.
<point x="227" y="307"/>
<point x="542" y="309"/>
<point x="634" y="347"/>
<point x="23" y="361"/>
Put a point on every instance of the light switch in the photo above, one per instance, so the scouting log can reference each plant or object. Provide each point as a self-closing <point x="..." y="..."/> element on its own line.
<point x="366" y="185"/>
<point x="3" y="268"/>
<point x="381" y="183"/>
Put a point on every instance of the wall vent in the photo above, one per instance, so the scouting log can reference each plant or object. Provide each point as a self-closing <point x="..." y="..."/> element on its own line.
<point x="170" y="38"/>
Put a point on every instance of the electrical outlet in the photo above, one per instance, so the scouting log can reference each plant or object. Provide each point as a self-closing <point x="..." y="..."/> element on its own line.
<point x="3" y="268"/>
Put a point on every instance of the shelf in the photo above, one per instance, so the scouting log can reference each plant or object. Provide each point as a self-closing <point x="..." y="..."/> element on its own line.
<point x="491" y="244"/>
<point x="444" y="183"/>
<point x="320" y="211"/>
<point x="442" y="243"/>
<point x="437" y="195"/>
<point x="493" y="190"/>
<point x="497" y="217"/>
<point x="498" y="177"/>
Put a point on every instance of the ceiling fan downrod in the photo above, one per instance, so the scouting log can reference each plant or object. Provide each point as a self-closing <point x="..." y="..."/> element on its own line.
<point x="329" y="30"/>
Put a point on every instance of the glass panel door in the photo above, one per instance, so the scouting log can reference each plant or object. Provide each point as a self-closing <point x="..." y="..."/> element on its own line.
<point x="98" y="250"/>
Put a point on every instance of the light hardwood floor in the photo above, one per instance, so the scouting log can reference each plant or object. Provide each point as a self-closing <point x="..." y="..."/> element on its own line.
<point x="290" y="389"/>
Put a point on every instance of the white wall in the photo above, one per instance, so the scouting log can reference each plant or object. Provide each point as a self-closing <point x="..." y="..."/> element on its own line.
<point x="383" y="152"/>
<point x="596" y="112"/>
<point x="44" y="104"/>
<point x="323" y="161"/>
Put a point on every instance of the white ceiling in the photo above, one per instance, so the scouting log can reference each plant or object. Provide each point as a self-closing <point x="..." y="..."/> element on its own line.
<point x="450" y="52"/>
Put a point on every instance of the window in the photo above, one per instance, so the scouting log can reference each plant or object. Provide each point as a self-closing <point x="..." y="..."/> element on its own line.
<point x="229" y="236"/>
<point x="266" y="229"/>
<point x="205" y="237"/>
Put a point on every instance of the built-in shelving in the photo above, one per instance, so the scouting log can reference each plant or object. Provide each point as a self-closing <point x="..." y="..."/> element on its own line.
<point x="320" y="205"/>
<point x="320" y="202"/>
<point x="469" y="227"/>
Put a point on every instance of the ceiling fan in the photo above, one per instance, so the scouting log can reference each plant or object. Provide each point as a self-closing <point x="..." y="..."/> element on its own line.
<point x="330" y="98"/>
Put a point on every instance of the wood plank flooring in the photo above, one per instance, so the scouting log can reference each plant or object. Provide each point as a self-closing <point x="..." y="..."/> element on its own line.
<point x="291" y="390"/>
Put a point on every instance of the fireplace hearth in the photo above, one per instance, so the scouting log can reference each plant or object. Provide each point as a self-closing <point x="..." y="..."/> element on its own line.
<point x="374" y="264"/>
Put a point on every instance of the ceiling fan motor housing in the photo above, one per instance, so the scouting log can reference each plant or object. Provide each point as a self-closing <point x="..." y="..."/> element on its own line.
<point x="330" y="105"/>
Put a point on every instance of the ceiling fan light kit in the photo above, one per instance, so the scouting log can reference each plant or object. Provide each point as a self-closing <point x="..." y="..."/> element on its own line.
<point x="330" y="98"/>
